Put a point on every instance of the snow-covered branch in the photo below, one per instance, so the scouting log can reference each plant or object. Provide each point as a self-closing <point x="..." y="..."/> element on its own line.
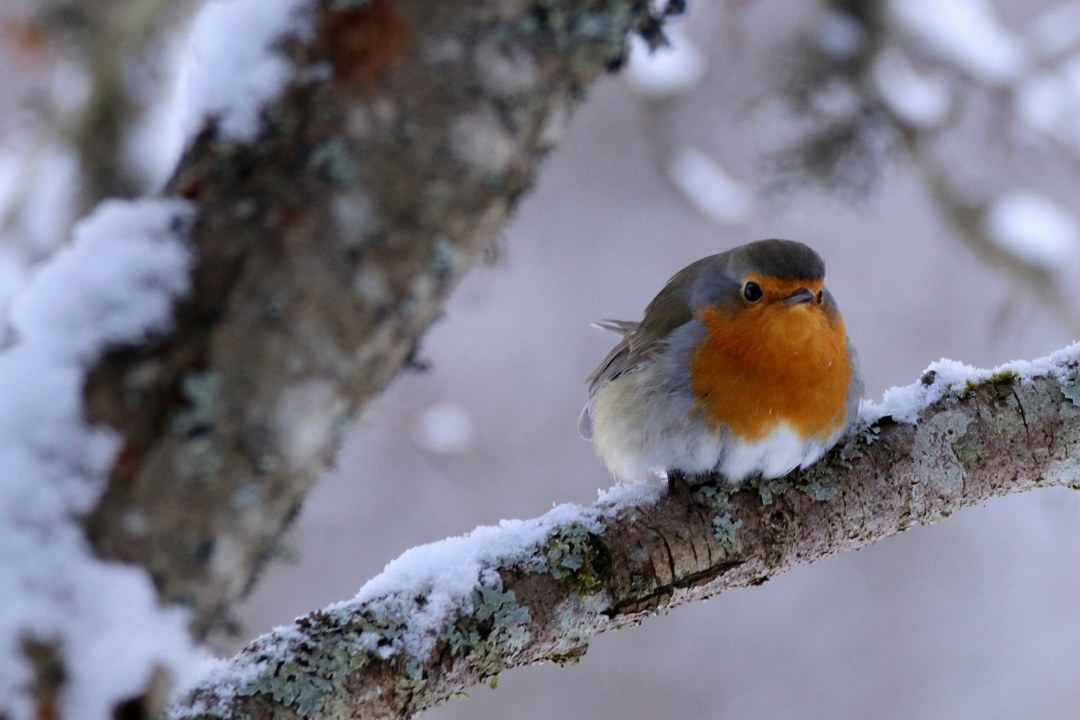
<point x="445" y="616"/>
<point x="346" y="164"/>
<point x="342" y="188"/>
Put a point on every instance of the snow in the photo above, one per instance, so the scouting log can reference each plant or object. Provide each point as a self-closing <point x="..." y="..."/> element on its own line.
<point x="1036" y="229"/>
<point x="154" y="142"/>
<point x="949" y="377"/>
<point x="445" y="428"/>
<point x="117" y="281"/>
<point x="232" y="67"/>
<point x="445" y="573"/>
<point x="666" y="71"/>
<point x="37" y="194"/>
<point x="1049" y="103"/>
<point x="308" y="415"/>
<point x="965" y="33"/>
<point x="916" y="98"/>
<point x="712" y="192"/>
<point x="480" y="140"/>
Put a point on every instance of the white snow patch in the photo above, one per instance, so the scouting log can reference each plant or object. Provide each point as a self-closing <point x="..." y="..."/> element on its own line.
<point x="916" y="98"/>
<point x="1049" y="103"/>
<point x="116" y="281"/>
<point x="445" y="573"/>
<point x="371" y="286"/>
<point x="220" y="680"/>
<point x="155" y="142"/>
<point x="965" y="33"/>
<point x="232" y="68"/>
<point x="307" y="416"/>
<point x="713" y="193"/>
<point x="45" y="201"/>
<point x="445" y="428"/>
<point x="949" y="377"/>
<point x="666" y="71"/>
<point x="1036" y="229"/>
<point x="480" y="141"/>
<point x="624" y="494"/>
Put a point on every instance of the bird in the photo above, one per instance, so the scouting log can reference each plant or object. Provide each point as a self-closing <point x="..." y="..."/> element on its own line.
<point x="741" y="366"/>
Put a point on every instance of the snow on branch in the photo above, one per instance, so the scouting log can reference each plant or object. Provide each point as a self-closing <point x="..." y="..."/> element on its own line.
<point x="116" y="283"/>
<point x="181" y="376"/>
<point x="342" y="189"/>
<point x="447" y="615"/>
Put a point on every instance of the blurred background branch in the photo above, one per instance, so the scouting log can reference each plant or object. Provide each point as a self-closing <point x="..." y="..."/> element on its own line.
<point x="876" y="83"/>
<point x="121" y="46"/>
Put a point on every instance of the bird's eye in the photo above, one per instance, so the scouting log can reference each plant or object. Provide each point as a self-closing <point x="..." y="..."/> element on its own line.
<point x="752" y="291"/>
<point x="820" y="296"/>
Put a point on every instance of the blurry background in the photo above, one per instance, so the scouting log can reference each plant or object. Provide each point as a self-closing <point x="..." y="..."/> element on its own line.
<point x="948" y="135"/>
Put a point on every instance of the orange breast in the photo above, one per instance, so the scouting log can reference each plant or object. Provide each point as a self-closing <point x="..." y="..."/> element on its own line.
<point x="772" y="363"/>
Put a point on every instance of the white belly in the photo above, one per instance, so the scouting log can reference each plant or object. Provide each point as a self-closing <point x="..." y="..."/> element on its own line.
<point x="642" y="432"/>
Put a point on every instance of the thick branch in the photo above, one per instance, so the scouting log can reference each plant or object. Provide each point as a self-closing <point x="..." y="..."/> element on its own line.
<point x="446" y="616"/>
<point x="325" y="247"/>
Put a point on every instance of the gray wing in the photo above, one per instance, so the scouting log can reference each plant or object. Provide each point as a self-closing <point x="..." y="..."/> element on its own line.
<point x="640" y="341"/>
<point x="618" y="361"/>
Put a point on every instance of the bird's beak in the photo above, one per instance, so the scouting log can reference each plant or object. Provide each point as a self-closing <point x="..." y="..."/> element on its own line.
<point x="800" y="296"/>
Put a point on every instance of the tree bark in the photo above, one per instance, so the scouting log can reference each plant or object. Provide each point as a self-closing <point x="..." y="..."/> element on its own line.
<point x="614" y="563"/>
<point x="324" y="249"/>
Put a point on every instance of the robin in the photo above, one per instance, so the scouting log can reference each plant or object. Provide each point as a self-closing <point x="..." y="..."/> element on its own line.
<point x="741" y="366"/>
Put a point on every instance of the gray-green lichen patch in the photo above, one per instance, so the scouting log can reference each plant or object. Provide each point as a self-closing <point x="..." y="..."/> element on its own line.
<point x="850" y="450"/>
<point x="1070" y="385"/>
<point x="585" y="34"/>
<point x="305" y="669"/>
<point x="203" y="458"/>
<point x="1071" y="471"/>
<point x="201" y="391"/>
<point x="817" y="490"/>
<point x="578" y="618"/>
<point x="334" y="162"/>
<point x="491" y="624"/>
<point x="444" y="255"/>
<point x="769" y="490"/>
<point x="940" y="472"/>
<point x="569" y="556"/>
<point x="715" y="495"/>
<point x="812" y="482"/>
<point x="726" y="532"/>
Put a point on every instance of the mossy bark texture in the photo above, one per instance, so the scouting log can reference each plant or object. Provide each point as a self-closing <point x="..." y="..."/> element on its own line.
<point x="324" y="248"/>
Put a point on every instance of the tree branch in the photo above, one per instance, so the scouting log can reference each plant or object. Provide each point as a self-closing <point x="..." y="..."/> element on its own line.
<point x="325" y="247"/>
<point x="445" y="616"/>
